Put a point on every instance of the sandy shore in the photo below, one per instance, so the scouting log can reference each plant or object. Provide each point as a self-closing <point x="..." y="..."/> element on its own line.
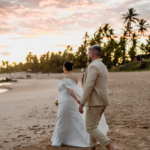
<point x="39" y="76"/>
<point x="28" y="105"/>
<point x="27" y="112"/>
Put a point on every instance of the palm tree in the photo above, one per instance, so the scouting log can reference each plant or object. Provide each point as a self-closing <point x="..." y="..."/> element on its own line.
<point x="14" y="64"/>
<point x="117" y="52"/>
<point x="132" y="51"/>
<point x="111" y="33"/>
<point x="142" y="26"/>
<point x="29" y="58"/>
<point x="111" y="38"/>
<point x="7" y="63"/>
<point x="86" y="39"/>
<point x="128" y="28"/>
<point x="123" y="42"/>
<point x="146" y="47"/>
<point x="47" y="56"/>
<point x="3" y="63"/>
<point x="108" y="47"/>
<point x="68" y="53"/>
<point x="98" y="36"/>
<point x="81" y="57"/>
<point x="130" y="16"/>
<point x="100" y="30"/>
<point x="92" y="42"/>
<point x="35" y="63"/>
<point x="148" y="42"/>
<point x="106" y="28"/>
<point x="134" y="40"/>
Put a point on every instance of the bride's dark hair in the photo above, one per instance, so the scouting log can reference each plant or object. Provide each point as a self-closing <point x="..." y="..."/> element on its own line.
<point x="68" y="65"/>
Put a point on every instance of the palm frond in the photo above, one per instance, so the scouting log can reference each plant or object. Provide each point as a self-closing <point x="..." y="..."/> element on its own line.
<point x="135" y="14"/>
<point x="133" y="21"/>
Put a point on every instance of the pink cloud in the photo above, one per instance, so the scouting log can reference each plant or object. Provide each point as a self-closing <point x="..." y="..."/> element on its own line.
<point x="5" y="46"/>
<point x="57" y="16"/>
<point x="64" y="46"/>
<point x="48" y="3"/>
<point x="5" y="53"/>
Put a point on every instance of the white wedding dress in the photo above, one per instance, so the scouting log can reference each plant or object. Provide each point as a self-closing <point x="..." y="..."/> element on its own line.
<point x="70" y="125"/>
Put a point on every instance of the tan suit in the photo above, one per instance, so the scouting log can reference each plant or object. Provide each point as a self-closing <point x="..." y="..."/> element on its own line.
<point x="95" y="95"/>
<point x="95" y="85"/>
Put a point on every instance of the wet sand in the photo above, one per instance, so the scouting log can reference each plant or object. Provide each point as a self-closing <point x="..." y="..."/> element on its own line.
<point x="27" y="112"/>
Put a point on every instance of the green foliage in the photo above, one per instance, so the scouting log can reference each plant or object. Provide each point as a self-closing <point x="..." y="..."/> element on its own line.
<point x="80" y="59"/>
<point x="132" y="53"/>
<point x="146" y="47"/>
<point x="133" y="66"/>
<point x="115" y="51"/>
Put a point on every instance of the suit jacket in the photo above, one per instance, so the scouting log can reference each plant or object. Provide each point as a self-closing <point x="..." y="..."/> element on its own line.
<point x="95" y="85"/>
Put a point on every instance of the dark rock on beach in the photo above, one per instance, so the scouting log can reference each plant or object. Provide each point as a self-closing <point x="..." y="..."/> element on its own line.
<point x="7" y="80"/>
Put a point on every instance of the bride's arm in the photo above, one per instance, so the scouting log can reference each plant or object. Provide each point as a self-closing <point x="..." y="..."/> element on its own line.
<point x="73" y="95"/>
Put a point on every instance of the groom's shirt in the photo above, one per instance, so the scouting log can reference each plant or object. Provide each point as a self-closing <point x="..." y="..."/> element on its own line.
<point x="95" y="85"/>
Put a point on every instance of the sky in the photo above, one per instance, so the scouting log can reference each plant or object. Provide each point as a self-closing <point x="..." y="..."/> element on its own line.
<point x="39" y="26"/>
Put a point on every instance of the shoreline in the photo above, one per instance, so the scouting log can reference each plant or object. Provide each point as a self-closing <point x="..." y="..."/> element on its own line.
<point x="5" y="87"/>
<point x="25" y="111"/>
<point x="2" y="90"/>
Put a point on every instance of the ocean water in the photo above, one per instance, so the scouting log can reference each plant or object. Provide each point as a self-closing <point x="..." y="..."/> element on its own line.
<point x="2" y="89"/>
<point x="5" y="83"/>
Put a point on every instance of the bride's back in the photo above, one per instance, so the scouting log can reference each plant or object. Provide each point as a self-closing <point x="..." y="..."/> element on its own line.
<point x="71" y="76"/>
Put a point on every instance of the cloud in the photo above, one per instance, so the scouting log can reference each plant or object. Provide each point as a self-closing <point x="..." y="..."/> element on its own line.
<point x="5" y="46"/>
<point x="65" y="46"/>
<point x="58" y="16"/>
<point x="5" y="53"/>
<point x="23" y="37"/>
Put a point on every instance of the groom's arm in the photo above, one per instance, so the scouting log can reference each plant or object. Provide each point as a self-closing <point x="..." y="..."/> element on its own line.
<point x="90" y="81"/>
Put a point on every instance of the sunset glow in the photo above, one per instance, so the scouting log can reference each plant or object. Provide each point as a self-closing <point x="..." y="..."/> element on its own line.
<point x="50" y="25"/>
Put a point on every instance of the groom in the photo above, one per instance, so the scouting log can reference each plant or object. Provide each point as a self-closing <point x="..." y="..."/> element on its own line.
<point x="95" y="96"/>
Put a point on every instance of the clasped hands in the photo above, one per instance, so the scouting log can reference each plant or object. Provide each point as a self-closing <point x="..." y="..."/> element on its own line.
<point x="80" y="107"/>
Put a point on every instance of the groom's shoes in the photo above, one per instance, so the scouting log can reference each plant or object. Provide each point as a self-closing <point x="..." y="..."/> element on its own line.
<point x="92" y="148"/>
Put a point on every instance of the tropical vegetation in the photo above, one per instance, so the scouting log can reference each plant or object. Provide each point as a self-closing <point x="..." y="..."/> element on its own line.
<point x="116" y="49"/>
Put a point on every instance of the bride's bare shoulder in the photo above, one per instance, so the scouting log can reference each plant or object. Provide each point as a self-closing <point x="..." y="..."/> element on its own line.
<point x="72" y="77"/>
<point x="66" y="76"/>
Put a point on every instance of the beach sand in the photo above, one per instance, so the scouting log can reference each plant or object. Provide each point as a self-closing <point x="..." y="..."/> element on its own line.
<point x="27" y="112"/>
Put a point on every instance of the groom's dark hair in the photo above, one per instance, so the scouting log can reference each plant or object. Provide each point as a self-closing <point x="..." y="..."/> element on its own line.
<point x="68" y="65"/>
<point x="96" y="50"/>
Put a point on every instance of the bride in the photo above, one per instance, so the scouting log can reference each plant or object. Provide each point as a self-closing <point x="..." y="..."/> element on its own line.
<point x="70" y="125"/>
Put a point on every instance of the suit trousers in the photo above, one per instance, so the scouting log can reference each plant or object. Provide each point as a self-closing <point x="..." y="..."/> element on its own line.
<point x="93" y="116"/>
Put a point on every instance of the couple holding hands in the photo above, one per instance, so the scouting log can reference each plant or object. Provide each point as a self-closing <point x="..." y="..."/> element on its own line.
<point x="80" y="118"/>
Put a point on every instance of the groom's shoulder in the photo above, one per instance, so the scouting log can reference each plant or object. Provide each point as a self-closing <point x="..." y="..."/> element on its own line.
<point x="95" y="65"/>
<point x="99" y="65"/>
